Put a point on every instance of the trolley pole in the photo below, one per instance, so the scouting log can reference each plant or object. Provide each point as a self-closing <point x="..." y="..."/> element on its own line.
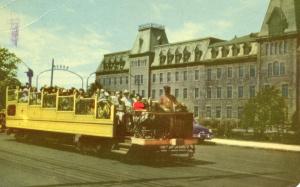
<point x="52" y="69"/>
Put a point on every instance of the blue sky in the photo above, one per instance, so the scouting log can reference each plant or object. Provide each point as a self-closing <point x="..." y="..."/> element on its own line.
<point x="77" y="33"/>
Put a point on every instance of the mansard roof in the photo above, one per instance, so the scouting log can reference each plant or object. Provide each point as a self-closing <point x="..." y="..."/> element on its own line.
<point x="237" y="40"/>
<point x="114" y="62"/>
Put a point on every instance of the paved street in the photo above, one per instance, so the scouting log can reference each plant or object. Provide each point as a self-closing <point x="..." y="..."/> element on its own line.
<point x="214" y="165"/>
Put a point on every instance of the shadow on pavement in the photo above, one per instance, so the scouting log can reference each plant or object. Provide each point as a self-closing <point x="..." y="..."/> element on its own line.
<point x="150" y="160"/>
<point x="144" y="181"/>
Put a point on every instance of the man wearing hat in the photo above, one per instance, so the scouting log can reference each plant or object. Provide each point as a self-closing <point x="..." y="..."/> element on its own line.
<point x="167" y="102"/>
<point x="126" y="99"/>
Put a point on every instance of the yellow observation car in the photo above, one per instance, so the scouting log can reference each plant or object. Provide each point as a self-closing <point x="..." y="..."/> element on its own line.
<point x="76" y="121"/>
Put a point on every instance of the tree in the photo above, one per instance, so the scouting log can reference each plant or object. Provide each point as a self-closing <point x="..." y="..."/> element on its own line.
<point x="267" y="109"/>
<point x="8" y="72"/>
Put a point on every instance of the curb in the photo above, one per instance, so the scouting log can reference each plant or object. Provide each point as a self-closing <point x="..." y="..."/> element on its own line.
<point x="258" y="145"/>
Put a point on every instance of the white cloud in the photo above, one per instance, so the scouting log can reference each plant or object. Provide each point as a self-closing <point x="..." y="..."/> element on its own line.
<point x="189" y="30"/>
<point x="37" y="46"/>
<point x="222" y="24"/>
<point x="158" y="8"/>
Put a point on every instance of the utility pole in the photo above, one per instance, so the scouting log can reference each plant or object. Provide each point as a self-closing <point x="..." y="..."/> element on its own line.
<point x="52" y="70"/>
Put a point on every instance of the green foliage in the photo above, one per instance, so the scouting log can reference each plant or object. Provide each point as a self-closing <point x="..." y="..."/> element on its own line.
<point x="267" y="109"/>
<point x="8" y="72"/>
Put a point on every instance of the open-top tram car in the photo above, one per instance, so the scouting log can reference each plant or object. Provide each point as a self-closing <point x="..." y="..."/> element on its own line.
<point x="78" y="121"/>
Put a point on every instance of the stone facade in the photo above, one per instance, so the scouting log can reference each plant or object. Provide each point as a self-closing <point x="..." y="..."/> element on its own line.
<point x="213" y="77"/>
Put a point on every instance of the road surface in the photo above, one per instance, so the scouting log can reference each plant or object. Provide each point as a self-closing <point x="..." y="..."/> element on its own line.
<point x="24" y="164"/>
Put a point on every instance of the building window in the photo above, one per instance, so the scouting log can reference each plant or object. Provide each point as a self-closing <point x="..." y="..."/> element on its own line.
<point x="153" y="77"/>
<point x="252" y="71"/>
<point x="176" y="76"/>
<point x="115" y="80"/>
<point x="266" y="49"/>
<point x="271" y="49"/>
<point x="240" y="112"/>
<point x="161" y="78"/>
<point x="196" y="92"/>
<point x="143" y="93"/>
<point x="168" y="76"/>
<point x="196" y="111"/>
<point x="219" y="73"/>
<point x="109" y="81"/>
<point x="185" y="75"/>
<point x="218" y="112"/>
<point x="285" y="90"/>
<point x="229" y="92"/>
<point x="275" y="68"/>
<point x="137" y="79"/>
<point x="153" y="94"/>
<point x="229" y="72"/>
<point x="142" y="79"/>
<point x="184" y="93"/>
<point x="208" y="112"/>
<point x="252" y="91"/>
<point x="219" y="92"/>
<point x="208" y="74"/>
<point x="176" y="93"/>
<point x="241" y="91"/>
<point x="161" y="92"/>
<point x="121" y="80"/>
<point x="196" y="75"/>
<point x="270" y="69"/>
<point x="285" y="47"/>
<point x="208" y="92"/>
<point x="126" y="80"/>
<point x="282" y="68"/>
<point x="241" y="71"/>
<point x="229" y="112"/>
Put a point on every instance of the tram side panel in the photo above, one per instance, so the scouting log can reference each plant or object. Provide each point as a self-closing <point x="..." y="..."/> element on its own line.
<point x="25" y="116"/>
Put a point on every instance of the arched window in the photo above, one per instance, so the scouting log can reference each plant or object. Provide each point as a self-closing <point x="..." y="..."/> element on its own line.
<point x="275" y="68"/>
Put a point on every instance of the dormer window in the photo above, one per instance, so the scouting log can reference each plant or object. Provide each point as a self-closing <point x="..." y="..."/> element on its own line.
<point x="178" y="56"/>
<point x="277" y="22"/>
<point x="225" y="51"/>
<point x="170" y="57"/>
<point x="235" y="50"/>
<point x="186" y="55"/>
<point x="214" y="52"/>
<point x="162" y="58"/>
<point x="247" y="48"/>
<point x="198" y="54"/>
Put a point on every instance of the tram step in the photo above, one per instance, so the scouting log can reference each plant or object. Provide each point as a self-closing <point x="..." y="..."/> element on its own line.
<point x="123" y="149"/>
<point x="124" y="144"/>
<point x="119" y="151"/>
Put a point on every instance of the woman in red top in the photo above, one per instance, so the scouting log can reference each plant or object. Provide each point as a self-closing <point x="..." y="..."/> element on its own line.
<point x="138" y="105"/>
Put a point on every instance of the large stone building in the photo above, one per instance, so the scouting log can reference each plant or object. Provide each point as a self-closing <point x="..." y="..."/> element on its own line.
<point x="212" y="76"/>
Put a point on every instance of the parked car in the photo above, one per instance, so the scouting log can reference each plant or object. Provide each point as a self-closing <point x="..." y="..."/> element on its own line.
<point x="201" y="132"/>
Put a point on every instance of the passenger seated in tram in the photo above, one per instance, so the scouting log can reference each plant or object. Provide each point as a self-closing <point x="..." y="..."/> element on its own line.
<point x="104" y="107"/>
<point x="24" y="95"/>
<point x="127" y="100"/>
<point x="138" y="105"/>
<point x="168" y="102"/>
